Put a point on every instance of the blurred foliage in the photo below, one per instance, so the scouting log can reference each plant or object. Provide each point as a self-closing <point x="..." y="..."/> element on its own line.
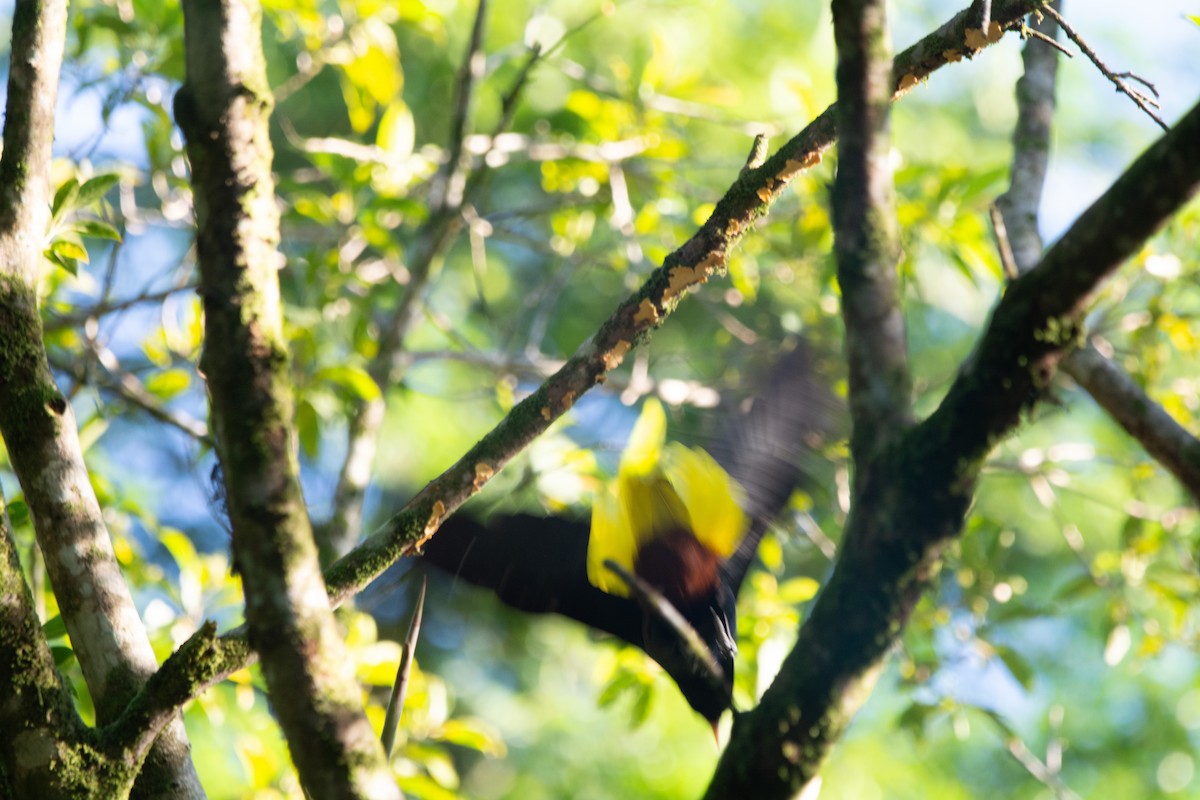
<point x="1064" y="627"/>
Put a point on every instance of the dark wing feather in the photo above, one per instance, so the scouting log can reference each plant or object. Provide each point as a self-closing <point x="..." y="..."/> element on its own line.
<point x="534" y="564"/>
<point x="766" y="446"/>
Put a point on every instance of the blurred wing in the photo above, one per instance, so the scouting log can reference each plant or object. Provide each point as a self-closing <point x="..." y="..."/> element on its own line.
<point x="769" y="444"/>
<point x="534" y="564"/>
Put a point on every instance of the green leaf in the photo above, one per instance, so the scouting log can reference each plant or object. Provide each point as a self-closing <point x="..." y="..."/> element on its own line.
<point x="915" y="718"/>
<point x="472" y="734"/>
<point x="169" y="383"/>
<point x="18" y="513"/>
<point x="62" y="655"/>
<point x="96" y="229"/>
<point x="798" y="590"/>
<point x="66" y="248"/>
<point x="64" y="198"/>
<point x="55" y="627"/>
<point x="308" y="428"/>
<point x="181" y="548"/>
<point x="352" y="378"/>
<point x="96" y="188"/>
<point x="643" y="702"/>
<point x="1020" y="669"/>
<point x="69" y="264"/>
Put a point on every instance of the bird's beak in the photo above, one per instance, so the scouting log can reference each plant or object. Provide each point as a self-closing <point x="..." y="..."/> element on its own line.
<point x="716" y="729"/>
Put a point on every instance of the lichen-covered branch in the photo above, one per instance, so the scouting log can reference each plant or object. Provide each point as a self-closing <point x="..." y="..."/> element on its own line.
<point x="223" y="110"/>
<point x="35" y="700"/>
<point x="916" y="497"/>
<point x="37" y="421"/>
<point x="865" y="237"/>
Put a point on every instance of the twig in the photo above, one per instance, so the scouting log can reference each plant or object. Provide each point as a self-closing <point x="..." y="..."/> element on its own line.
<point x="758" y="153"/>
<point x="1142" y="81"/>
<point x="396" y="702"/>
<point x="1038" y="769"/>
<point x="447" y="188"/>
<point x="1035" y="33"/>
<point x="57" y="323"/>
<point x="1142" y="102"/>
<point x="1007" y="261"/>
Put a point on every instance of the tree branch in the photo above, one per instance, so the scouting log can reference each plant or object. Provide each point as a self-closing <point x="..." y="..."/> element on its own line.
<point x="223" y="110"/>
<point x="36" y="702"/>
<point x="1165" y="440"/>
<point x="865" y="238"/>
<point x="38" y="424"/>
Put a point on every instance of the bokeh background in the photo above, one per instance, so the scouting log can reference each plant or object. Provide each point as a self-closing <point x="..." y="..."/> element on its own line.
<point x="1063" y="628"/>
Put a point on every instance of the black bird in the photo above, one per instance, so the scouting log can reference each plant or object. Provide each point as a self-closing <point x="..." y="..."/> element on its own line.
<point x="545" y="565"/>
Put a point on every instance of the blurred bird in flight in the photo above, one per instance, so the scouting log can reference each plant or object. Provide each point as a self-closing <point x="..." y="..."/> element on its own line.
<point x="670" y="538"/>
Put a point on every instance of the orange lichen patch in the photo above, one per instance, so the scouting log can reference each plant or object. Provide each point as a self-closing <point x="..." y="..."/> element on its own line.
<point x="733" y="228"/>
<point x="483" y="474"/>
<point x="546" y="415"/>
<point x="568" y="400"/>
<point x="951" y="56"/>
<point x="795" y="165"/>
<point x="646" y="313"/>
<point x="614" y="357"/>
<point x="977" y="39"/>
<point x="908" y="82"/>
<point x="435" y="517"/>
<point x="682" y="278"/>
<point x="765" y="192"/>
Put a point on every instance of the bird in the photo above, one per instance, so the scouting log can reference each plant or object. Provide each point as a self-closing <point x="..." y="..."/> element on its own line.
<point x="669" y="541"/>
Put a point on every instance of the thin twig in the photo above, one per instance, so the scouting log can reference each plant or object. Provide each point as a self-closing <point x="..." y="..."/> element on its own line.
<point x="1142" y="81"/>
<point x="396" y="702"/>
<point x="101" y="309"/>
<point x="1040" y="772"/>
<point x="1035" y="33"/>
<point x="1142" y="102"/>
<point x="1007" y="260"/>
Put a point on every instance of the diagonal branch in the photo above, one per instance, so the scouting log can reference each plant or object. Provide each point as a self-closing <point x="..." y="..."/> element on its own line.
<point x="223" y="109"/>
<point x="1148" y="422"/>
<point x="38" y="424"/>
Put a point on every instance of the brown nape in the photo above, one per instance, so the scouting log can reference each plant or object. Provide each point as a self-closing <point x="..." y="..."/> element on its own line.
<point x="679" y="566"/>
